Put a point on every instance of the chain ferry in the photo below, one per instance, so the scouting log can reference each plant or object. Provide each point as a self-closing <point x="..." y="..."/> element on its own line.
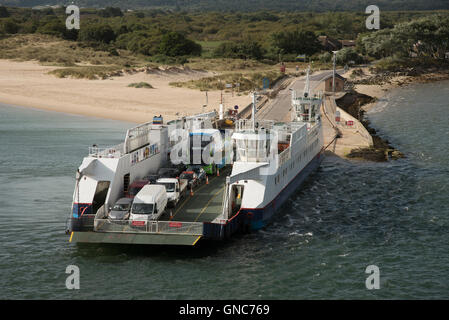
<point x="242" y="192"/>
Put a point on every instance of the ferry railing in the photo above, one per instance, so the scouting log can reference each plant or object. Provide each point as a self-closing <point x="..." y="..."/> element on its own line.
<point x="137" y="137"/>
<point x="148" y="227"/>
<point x="110" y="152"/>
<point x="247" y="124"/>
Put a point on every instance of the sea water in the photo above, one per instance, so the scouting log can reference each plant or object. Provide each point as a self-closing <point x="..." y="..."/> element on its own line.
<point x="349" y="215"/>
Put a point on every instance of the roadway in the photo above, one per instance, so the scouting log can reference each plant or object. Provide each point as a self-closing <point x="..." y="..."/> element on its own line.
<point x="204" y="205"/>
<point x="279" y="109"/>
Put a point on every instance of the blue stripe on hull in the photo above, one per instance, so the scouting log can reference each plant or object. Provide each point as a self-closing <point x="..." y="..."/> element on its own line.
<point x="261" y="217"/>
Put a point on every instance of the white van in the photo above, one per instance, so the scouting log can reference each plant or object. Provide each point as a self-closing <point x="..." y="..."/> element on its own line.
<point x="149" y="203"/>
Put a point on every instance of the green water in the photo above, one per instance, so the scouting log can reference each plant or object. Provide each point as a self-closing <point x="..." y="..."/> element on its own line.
<point x="347" y="216"/>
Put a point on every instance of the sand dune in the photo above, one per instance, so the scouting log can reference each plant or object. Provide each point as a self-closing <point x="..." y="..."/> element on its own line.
<point x="27" y="84"/>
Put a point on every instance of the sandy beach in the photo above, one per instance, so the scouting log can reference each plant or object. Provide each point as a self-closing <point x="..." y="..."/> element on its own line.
<point x="27" y="84"/>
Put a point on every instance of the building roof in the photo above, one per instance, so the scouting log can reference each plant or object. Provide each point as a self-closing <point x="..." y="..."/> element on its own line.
<point x="337" y="76"/>
<point x="330" y="43"/>
<point x="347" y="43"/>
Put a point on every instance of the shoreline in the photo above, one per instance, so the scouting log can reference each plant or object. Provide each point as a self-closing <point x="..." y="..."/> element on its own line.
<point x="28" y="84"/>
<point x="381" y="150"/>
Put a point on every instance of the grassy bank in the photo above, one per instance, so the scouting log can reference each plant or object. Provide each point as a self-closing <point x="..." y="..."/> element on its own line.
<point x="242" y="82"/>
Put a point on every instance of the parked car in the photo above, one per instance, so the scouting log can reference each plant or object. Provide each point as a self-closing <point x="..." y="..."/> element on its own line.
<point x="121" y="209"/>
<point x="200" y="172"/>
<point x="168" y="173"/>
<point x="191" y="177"/>
<point x="135" y="187"/>
<point x="152" y="178"/>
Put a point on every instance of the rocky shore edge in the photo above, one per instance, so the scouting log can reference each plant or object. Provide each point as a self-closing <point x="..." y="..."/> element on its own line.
<point x="353" y="102"/>
<point x="381" y="151"/>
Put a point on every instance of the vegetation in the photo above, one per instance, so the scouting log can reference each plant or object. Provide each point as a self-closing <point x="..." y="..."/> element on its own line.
<point x="248" y="6"/>
<point x="349" y="55"/>
<point x="424" y="40"/>
<point x="4" y="12"/>
<point x="247" y="81"/>
<point x="246" y="49"/>
<point x="145" y="85"/>
<point x="97" y="33"/>
<point x="296" y="42"/>
<point x="174" y="44"/>
<point x="87" y="72"/>
<point x="112" y="38"/>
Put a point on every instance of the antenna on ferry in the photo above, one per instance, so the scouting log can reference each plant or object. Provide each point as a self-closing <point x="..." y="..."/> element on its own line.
<point x="254" y="111"/>
<point x="307" y="86"/>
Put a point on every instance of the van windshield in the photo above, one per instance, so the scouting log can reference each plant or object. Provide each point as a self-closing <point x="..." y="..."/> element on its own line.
<point x="142" y="208"/>
<point x="169" y="187"/>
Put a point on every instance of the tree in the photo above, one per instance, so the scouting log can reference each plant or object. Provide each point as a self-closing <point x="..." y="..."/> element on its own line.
<point x="175" y="44"/>
<point x="9" y="26"/>
<point x="110" y="12"/>
<point x="346" y="55"/>
<point x="141" y="41"/>
<point x="426" y="37"/>
<point x="246" y="49"/>
<point x="3" y="12"/>
<point x="97" y="33"/>
<point x="53" y="27"/>
<point x="325" y="57"/>
<point x="296" y="42"/>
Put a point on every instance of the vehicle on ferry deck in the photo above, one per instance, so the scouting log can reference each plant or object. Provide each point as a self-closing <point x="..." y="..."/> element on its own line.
<point x="191" y="177"/>
<point x="121" y="209"/>
<point x="152" y="178"/>
<point x="149" y="204"/>
<point x="135" y="187"/>
<point x="169" y="172"/>
<point x="200" y="172"/>
<point x="175" y="188"/>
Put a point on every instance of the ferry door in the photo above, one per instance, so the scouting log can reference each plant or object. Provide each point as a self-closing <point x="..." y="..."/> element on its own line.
<point x="236" y="198"/>
<point x="100" y="195"/>
<point x="126" y="179"/>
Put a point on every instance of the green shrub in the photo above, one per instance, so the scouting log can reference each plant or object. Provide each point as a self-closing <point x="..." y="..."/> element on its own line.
<point x="325" y="57"/>
<point x="162" y="59"/>
<point x="3" y="12"/>
<point x="175" y="44"/>
<point x="247" y="49"/>
<point x="110" y="12"/>
<point x="9" y="26"/>
<point x="97" y="33"/>
<point x="296" y="42"/>
<point x="145" y="85"/>
<point x="347" y="55"/>
<point x="56" y="27"/>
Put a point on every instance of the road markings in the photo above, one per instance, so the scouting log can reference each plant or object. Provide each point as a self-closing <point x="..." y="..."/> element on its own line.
<point x="207" y="204"/>
<point x="188" y="198"/>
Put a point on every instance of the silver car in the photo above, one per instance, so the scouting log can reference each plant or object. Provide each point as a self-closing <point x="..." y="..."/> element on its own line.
<point x="120" y="210"/>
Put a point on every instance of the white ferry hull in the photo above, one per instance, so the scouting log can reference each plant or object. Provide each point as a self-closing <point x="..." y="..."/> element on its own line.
<point x="260" y="217"/>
